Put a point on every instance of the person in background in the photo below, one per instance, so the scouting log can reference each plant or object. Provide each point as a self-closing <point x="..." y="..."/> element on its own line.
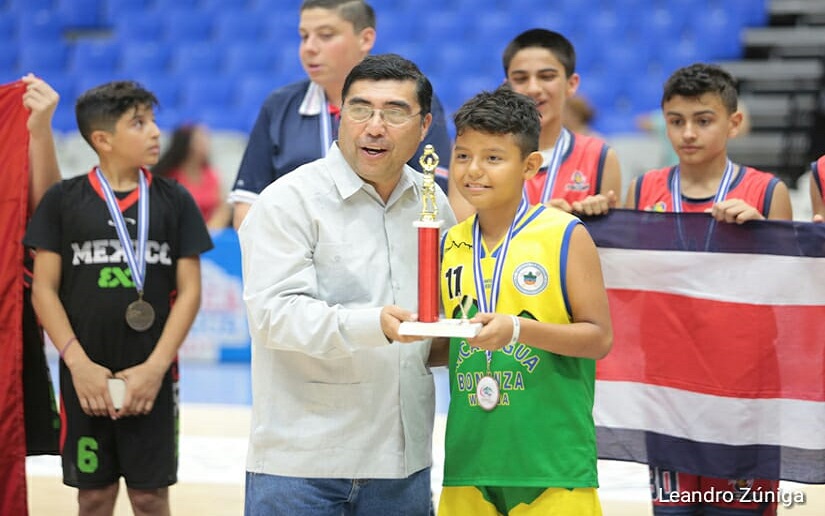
<point x="42" y="418"/>
<point x="580" y="174"/>
<point x="298" y="122"/>
<point x="816" y="190"/>
<point x="699" y="103"/>
<point x="187" y="162"/>
<point x="117" y="286"/>
<point x="654" y="124"/>
<point x="578" y="115"/>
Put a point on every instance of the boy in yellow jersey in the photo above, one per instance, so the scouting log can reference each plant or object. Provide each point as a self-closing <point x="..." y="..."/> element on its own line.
<point x="523" y="388"/>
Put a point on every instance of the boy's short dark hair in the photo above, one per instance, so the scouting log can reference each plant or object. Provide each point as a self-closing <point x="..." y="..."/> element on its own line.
<point x="700" y="78"/>
<point x="542" y="38"/>
<point x="359" y="13"/>
<point x="102" y="106"/>
<point x="392" y="67"/>
<point x="501" y="112"/>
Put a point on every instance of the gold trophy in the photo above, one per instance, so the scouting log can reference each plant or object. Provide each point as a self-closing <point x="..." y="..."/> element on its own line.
<point x="428" y="324"/>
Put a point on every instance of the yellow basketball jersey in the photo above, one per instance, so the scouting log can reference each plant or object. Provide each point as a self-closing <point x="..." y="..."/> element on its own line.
<point x="543" y="423"/>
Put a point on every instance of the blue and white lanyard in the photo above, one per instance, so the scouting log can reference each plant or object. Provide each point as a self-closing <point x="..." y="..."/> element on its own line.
<point x="721" y="193"/>
<point x="137" y="264"/>
<point x="485" y="304"/>
<point x="326" y="126"/>
<point x="553" y="165"/>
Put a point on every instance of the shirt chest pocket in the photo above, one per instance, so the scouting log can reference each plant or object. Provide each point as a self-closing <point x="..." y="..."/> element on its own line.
<point x="343" y="273"/>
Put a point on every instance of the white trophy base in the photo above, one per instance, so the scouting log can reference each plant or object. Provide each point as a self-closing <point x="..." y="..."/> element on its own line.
<point x="442" y="328"/>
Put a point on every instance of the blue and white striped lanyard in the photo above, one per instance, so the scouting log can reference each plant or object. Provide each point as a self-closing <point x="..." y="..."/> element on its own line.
<point x="721" y="192"/>
<point x="485" y="304"/>
<point x="137" y="264"/>
<point x="553" y="165"/>
<point x="326" y="125"/>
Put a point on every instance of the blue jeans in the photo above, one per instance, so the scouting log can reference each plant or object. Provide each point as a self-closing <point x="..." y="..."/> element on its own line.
<point x="273" y="495"/>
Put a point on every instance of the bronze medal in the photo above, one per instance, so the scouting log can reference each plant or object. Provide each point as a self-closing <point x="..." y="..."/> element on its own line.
<point x="140" y="315"/>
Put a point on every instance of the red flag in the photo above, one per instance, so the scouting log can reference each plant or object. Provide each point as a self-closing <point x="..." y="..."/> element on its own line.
<point x="14" y="175"/>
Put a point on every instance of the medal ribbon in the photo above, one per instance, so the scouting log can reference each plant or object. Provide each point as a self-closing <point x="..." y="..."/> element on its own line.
<point x="721" y="193"/>
<point x="326" y="126"/>
<point x="485" y="304"/>
<point x="553" y="165"/>
<point x="137" y="264"/>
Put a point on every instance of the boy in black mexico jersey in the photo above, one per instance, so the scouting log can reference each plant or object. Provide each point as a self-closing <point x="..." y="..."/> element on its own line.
<point x="117" y="287"/>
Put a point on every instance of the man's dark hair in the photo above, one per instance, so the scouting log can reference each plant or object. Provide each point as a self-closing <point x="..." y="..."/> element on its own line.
<point x="502" y="112"/>
<point x="700" y="78"/>
<point x="359" y="13"/>
<point x="99" y="108"/>
<point x="542" y="38"/>
<point x="387" y="67"/>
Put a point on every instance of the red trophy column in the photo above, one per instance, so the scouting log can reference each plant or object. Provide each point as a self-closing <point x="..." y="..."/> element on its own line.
<point x="428" y="270"/>
<point x="428" y="232"/>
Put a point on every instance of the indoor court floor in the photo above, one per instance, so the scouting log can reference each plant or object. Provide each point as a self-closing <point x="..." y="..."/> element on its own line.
<point x="214" y="427"/>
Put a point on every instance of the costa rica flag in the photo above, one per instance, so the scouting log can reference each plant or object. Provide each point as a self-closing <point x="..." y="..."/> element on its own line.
<point x="718" y="359"/>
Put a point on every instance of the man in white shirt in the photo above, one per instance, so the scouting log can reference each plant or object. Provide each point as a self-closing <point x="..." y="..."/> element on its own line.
<point x="342" y="405"/>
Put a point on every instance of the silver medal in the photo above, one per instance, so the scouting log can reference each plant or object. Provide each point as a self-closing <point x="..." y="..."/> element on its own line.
<point x="140" y="315"/>
<point x="487" y="392"/>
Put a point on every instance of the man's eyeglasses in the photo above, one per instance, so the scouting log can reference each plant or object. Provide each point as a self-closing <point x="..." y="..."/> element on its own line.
<point x="393" y="116"/>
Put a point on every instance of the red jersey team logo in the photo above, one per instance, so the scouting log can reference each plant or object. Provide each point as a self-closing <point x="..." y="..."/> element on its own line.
<point x="578" y="182"/>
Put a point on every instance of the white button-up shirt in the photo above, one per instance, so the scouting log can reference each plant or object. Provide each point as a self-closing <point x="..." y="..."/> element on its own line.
<point x="332" y="398"/>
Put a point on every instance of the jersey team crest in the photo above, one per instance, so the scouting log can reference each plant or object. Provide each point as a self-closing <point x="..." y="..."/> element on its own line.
<point x="530" y="278"/>
<point x="578" y="182"/>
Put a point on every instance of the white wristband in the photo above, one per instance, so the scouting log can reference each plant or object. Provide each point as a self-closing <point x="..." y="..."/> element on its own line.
<point x="516" y="330"/>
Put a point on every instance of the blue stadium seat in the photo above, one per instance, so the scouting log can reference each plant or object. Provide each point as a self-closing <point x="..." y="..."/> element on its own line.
<point x="165" y="87"/>
<point x="94" y="56"/>
<point x="8" y="58"/>
<point x="751" y="13"/>
<point x="22" y="6"/>
<point x="669" y="56"/>
<point x="239" y="26"/>
<point x="42" y="58"/>
<point x="719" y="31"/>
<point x="91" y="79"/>
<point x="206" y="91"/>
<point x="658" y="25"/>
<point x="644" y="92"/>
<point x="123" y="10"/>
<point x="281" y="26"/>
<point x="226" y="119"/>
<point x="169" y="117"/>
<point x="40" y="26"/>
<point x="186" y="26"/>
<point x="446" y="26"/>
<point x="245" y="58"/>
<point x="251" y="90"/>
<point x="394" y="28"/>
<point x="138" y="27"/>
<point x="460" y="60"/>
<point x="469" y="86"/>
<point x="8" y="28"/>
<point x="419" y="54"/>
<point x="600" y="90"/>
<point x="609" y="123"/>
<point x="289" y="64"/>
<point x="198" y="58"/>
<point x="64" y="119"/>
<point x="65" y="85"/>
<point x="142" y="58"/>
<point x="83" y="14"/>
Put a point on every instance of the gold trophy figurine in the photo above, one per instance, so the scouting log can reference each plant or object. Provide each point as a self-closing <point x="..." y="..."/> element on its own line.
<point x="429" y="162"/>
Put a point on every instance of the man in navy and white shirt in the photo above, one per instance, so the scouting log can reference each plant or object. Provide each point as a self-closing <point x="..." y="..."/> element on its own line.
<point x="298" y="122"/>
